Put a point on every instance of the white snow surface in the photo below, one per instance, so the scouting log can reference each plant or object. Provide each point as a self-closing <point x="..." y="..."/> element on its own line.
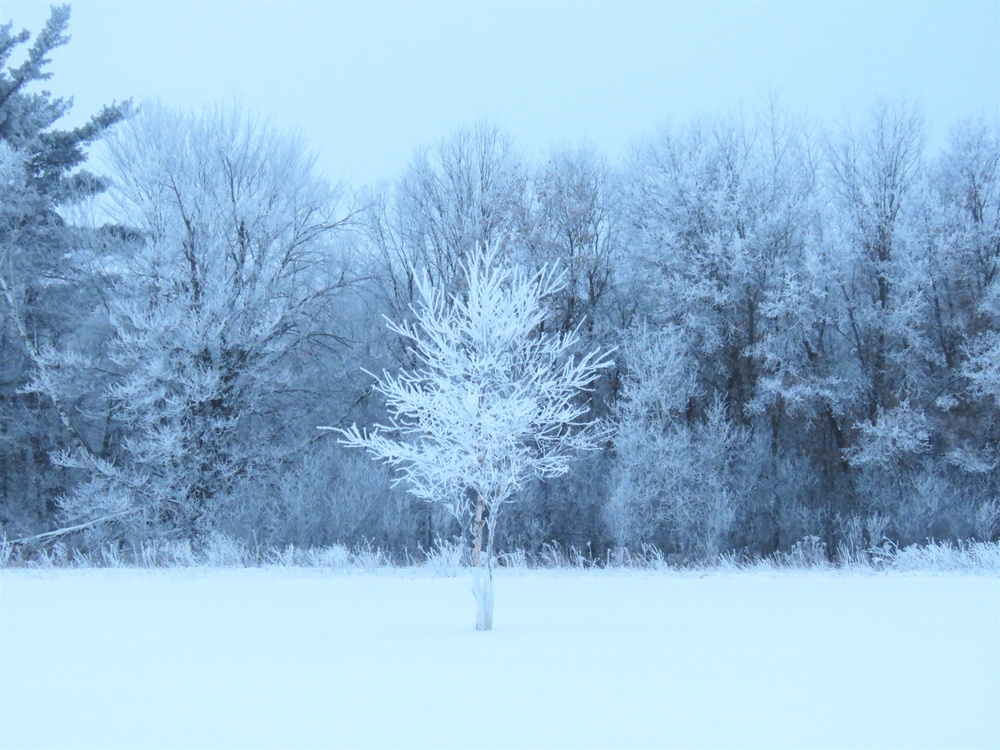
<point x="294" y="658"/>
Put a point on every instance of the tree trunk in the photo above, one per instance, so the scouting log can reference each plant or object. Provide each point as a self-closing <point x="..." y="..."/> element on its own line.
<point x="482" y="588"/>
<point x="482" y="581"/>
<point x="478" y="538"/>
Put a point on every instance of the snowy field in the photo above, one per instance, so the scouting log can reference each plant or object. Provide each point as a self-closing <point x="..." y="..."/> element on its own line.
<point x="292" y="658"/>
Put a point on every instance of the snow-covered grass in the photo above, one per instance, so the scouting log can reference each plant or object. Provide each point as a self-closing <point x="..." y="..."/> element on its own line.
<point x="450" y="557"/>
<point x="290" y="657"/>
<point x="941" y="557"/>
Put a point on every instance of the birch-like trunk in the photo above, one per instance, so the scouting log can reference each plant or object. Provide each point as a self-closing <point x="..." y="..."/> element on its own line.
<point x="482" y="581"/>
<point x="482" y="587"/>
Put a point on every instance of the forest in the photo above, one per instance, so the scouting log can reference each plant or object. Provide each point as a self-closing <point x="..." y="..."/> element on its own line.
<point x="802" y="328"/>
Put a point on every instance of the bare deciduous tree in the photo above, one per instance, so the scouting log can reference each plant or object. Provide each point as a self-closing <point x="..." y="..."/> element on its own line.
<point x="229" y="284"/>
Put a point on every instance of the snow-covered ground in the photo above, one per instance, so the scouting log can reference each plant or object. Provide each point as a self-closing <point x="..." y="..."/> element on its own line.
<point x="287" y="658"/>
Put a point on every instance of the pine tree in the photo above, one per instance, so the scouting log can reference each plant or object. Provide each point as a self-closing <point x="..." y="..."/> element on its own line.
<point x="42" y="288"/>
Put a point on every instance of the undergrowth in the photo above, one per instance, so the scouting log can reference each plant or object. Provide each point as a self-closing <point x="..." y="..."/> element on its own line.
<point x="449" y="557"/>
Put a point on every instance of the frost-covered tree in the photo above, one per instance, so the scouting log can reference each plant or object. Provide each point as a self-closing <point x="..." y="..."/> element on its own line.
<point x="467" y="190"/>
<point x="955" y="234"/>
<point x="874" y="170"/>
<point x="961" y="238"/>
<point x="576" y="221"/>
<point x="43" y="286"/>
<point x="215" y="311"/>
<point x="493" y="401"/>
<point x="721" y="215"/>
<point x="879" y="295"/>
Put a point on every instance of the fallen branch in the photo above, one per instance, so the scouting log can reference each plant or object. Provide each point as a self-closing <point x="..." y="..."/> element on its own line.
<point x="70" y="529"/>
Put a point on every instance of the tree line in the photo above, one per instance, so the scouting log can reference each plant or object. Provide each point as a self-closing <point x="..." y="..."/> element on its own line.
<point x="804" y="326"/>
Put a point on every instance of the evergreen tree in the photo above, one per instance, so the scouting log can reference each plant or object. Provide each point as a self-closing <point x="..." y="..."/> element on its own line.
<point x="42" y="287"/>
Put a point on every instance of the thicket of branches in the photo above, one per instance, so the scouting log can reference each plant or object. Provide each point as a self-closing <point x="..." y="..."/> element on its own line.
<point x="806" y="326"/>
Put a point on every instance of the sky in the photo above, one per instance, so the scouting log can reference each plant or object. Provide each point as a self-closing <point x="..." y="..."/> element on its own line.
<point x="369" y="82"/>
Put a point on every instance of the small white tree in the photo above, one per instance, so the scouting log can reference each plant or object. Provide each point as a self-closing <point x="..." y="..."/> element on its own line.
<point x="494" y="401"/>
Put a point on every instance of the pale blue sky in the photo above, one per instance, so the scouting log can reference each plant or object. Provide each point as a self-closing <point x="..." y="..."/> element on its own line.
<point x="368" y="82"/>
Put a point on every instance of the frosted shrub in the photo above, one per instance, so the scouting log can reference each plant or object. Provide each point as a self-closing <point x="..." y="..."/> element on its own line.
<point x="370" y="557"/>
<point x="517" y="559"/>
<point x="110" y="555"/>
<point x="446" y="557"/>
<point x="57" y="556"/>
<point x="165" y="553"/>
<point x="939" y="557"/>
<point x="335" y="556"/>
<point x="934" y="502"/>
<point x="809" y="552"/>
<point x="779" y="508"/>
<point x="81" y="559"/>
<point x="684" y="478"/>
<point x="221" y="551"/>
<point x="285" y="557"/>
<point x="858" y="536"/>
<point x="680" y="486"/>
<point x="551" y="555"/>
<point x="653" y="557"/>
<point x="567" y="509"/>
<point x="335" y="496"/>
<point x="934" y="509"/>
<point x="554" y="555"/>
